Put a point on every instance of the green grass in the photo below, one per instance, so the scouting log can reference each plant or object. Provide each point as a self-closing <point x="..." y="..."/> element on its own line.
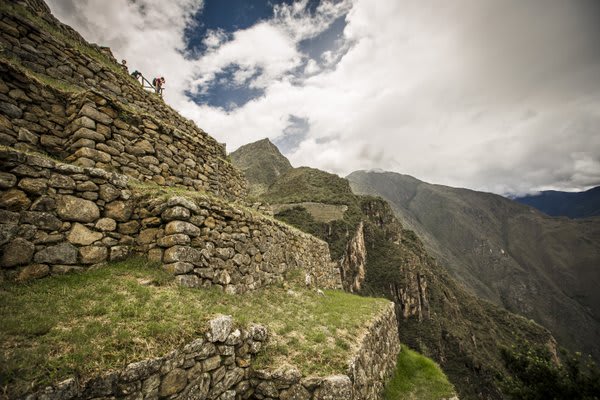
<point x="102" y="319"/>
<point x="419" y="378"/>
<point x="57" y="84"/>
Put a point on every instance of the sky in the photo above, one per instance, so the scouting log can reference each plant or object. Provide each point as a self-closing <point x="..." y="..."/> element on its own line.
<point x="499" y="96"/>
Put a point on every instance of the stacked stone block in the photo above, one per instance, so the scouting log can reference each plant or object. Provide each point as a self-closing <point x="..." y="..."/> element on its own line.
<point x="218" y="366"/>
<point x="59" y="217"/>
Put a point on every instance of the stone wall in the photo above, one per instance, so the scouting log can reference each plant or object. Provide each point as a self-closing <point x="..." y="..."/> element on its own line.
<point x="68" y="102"/>
<point x="218" y="366"/>
<point x="58" y="217"/>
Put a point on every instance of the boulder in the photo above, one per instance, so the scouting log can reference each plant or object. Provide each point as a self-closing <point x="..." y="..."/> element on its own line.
<point x="182" y="253"/>
<point x="14" y="200"/>
<point x="17" y="252"/>
<point x="106" y="224"/>
<point x="174" y="382"/>
<point x="33" y="271"/>
<point x="64" y="253"/>
<point x="219" y="328"/>
<point x="80" y="234"/>
<point x="334" y="387"/>
<point x="71" y="208"/>
<point x="118" y="210"/>
<point x="174" y="227"/>
<point x="93" y="254"/>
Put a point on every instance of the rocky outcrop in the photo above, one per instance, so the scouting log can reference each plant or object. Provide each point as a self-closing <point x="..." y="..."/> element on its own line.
<point x="352" y="265"/>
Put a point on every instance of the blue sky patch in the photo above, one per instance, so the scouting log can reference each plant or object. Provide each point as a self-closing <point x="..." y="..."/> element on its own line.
<point x="293" y="134"/>
<point x="329" y="39"/>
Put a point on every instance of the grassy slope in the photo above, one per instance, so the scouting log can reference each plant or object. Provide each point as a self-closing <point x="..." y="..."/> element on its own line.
<point x="105" y="318"/>
<point x="417" y="377"/>
<point x="541" y="267"/>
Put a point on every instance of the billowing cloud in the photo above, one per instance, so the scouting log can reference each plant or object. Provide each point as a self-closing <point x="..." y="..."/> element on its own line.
<point x="499" y="96"/>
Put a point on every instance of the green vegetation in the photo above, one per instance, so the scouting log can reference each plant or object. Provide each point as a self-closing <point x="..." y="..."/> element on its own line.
<point x="417" y="377"/>
<point x="537" y="375"/>
<point x="262" y="164"/>
<point x="308" y="184"/>
<point x="101" y="319"/>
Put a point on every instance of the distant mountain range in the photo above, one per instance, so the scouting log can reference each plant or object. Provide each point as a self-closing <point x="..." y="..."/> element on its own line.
<point x="573" y="205"/>
<point x="544" y="268"/>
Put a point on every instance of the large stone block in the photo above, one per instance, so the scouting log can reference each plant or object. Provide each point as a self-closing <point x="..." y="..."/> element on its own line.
<point x="64" y="253"/>
<point x="73" y="208"/>
<point x="183" y="254"/>
<point x="184" y="227"/>
<point x="219" y="328"/>
<point x="173" y="382"/>
<point x="17" y="252"/>
<point x="42" y="220"/>
<point x="14" y="200"/>
<point x="93" y="254"/>
<point x="118" y="210"/>
<point x="80" y="234"/>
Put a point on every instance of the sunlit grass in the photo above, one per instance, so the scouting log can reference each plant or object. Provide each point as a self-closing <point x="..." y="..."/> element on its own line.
<point x="101" y="319"/>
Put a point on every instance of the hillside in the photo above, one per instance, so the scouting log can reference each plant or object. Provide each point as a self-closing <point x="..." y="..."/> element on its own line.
<point x="132" y="264"/>
<point x="541" y="267"/>
<point x="262" y="164"/>
<point x="573" y="205"/>
<point x="378" y="256"/>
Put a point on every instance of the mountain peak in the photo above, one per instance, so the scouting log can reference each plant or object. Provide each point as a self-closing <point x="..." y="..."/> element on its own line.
<point x="262" y="163"/>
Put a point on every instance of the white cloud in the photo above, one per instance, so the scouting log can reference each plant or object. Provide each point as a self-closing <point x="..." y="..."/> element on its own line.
<point x="487" y="95"/>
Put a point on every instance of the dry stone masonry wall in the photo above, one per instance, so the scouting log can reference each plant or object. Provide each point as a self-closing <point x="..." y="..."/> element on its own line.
<point x="218" y="366"/>
<point x="58" y="217"/>
<point x="113" y="123"/>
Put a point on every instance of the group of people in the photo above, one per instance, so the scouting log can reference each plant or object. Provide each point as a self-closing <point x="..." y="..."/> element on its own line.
<point x="157" y="83"/>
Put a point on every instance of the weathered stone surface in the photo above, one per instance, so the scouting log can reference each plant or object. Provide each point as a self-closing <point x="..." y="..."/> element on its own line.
<point x="106" y="224"/>
<point x="61" y="182"/>
<point x="17" y="252"/>
<point x="108" y="193"/>
<point x="14" y="200"/>
<point x="33" y="271"/>
<point x="267" y="388"/>
<point x="211" y="363"/>
<point x="7" y="180"/>
<point x="80" y="234"/>
<point x="119" y="253"/>
<point x="333" y="388"/>
<point x="41" y="219"/>
<point x="33" y="185"/>
<point x="147" y="236"/>
<point x="93" y="254"/>
<point x="295" y="392"/>
<point x="191" y="281"/>
<point x="176" y="213"/>
<point x="129" y="228"/>
<point x="173" y="240"/>
<point x="198" y="388"/>
<point x="182" y="253"/>
<point x="178" y="268"/>
<point x="118" y="210"/>
<point x="184" y="227"/>
<point x="173" y="382"/>
<point x="219" y="328"/>
<point x="64" y="253"/>
<point x="71" y="208"/>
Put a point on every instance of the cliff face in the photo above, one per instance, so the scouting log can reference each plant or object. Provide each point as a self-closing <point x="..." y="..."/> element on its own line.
<point x="541" y="267"/>
<point x="352" y="265"/>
